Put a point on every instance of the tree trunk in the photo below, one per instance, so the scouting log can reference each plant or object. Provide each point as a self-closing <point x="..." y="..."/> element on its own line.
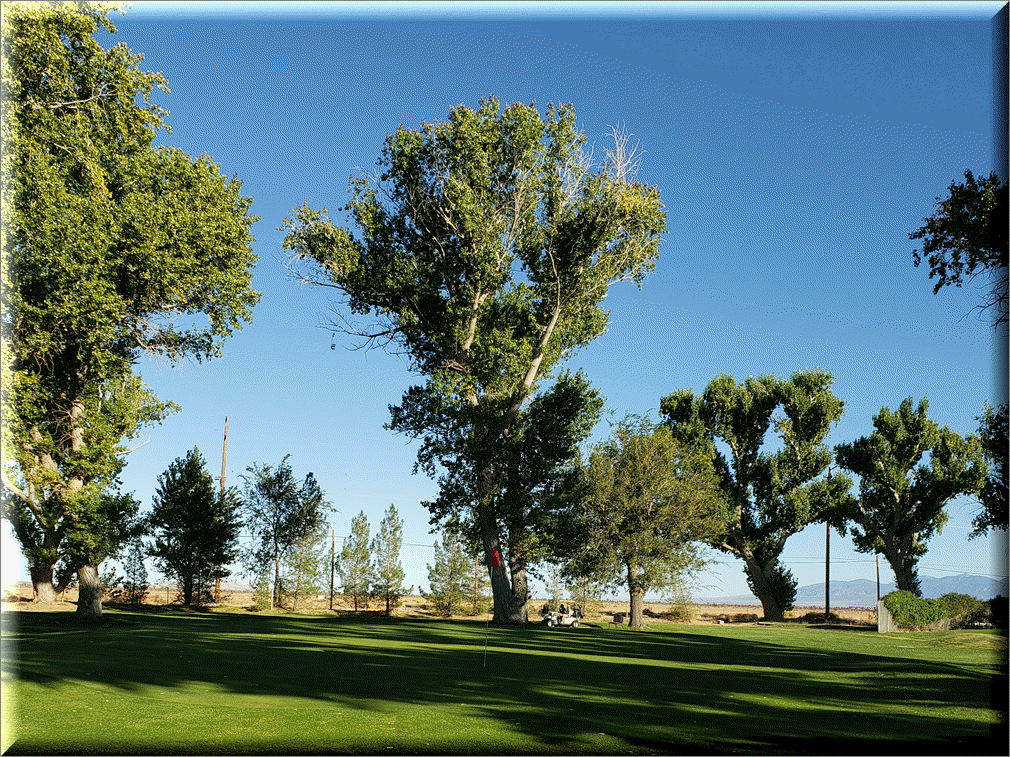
<point x="500" y="587"/>
<point x="275" y="594"/>
<point x="905" y="576"/>
<point x="519" y="602"/>
<point x="772" y="611"/>
<point x="637" y="594"/>
<point x="637" y="600"/>
<point x="42" y="583"/>
<point x="298" y="583"/>
<point x="518" y="607"/>
<point x="90" y="590"/>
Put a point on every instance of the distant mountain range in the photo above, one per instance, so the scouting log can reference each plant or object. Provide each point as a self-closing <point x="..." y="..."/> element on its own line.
<point x="863" y="593"/>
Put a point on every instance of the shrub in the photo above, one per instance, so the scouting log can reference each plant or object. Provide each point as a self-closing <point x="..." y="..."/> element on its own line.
<point x="998" y="612"/>
<point x="962" y="609"/>
<point x="911" y="612"/>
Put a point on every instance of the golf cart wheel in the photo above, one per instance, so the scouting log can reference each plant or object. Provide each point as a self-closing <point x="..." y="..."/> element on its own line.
<point x="550" y="622"/>
<point x="575" y="623"/>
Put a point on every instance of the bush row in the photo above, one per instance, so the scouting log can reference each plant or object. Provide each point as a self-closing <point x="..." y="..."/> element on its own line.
<point x="910" y="611"/>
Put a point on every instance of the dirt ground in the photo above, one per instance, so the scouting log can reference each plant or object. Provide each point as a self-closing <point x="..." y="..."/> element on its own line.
<point x="18" y="597"/>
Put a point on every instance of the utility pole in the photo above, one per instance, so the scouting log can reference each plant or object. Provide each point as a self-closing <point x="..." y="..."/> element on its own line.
<point x="827" y="571"/>
<point x="224" y="461"/>
<point x="333" y="548"/>
<point x="878" y="578"/>
<point x="827" y="565"/>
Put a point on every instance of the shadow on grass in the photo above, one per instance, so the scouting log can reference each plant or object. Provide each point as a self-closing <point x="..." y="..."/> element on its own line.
<point x="696" y="690"/>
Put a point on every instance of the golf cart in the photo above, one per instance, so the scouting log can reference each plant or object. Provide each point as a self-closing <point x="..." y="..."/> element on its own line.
<point x="564" y="617"/>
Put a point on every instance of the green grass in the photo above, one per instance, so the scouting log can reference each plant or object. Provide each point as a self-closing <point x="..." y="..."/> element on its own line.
<point x="226" y="683"/>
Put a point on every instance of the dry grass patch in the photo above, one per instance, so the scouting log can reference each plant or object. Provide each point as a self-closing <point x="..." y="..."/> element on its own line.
<point x="18" y="596"/>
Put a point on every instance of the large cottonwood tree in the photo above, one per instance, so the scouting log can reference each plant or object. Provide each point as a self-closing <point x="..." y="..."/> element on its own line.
<point x="486" y="247"/>
<point x="909" y="468"/>
<point x="112" y="250"/>
<point x="770" y="493"/>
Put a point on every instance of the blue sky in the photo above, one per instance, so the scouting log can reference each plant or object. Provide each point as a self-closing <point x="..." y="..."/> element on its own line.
<point x="795" y="146"/>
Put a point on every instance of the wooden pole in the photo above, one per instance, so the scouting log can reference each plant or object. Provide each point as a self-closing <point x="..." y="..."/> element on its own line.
<point x="224" y="462"/>
<point x="878" y="577"/>
<point x="827" y="571"/>
<point x="333" y="548"/>
<point x="827" y="564"/>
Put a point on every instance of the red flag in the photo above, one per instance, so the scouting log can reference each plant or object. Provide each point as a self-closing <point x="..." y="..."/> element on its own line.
<point x="495" y="559"/>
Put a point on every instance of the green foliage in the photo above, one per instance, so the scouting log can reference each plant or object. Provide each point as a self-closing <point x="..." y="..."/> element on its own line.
<point x="910" y="611"/>
<point x="585" y="592"/>
<point x="487" y="244"/>
<point x="305" y="567"/>
<point x="448" y="576"/>
<point x="966" y="237"/>
<point x="111" y="583"/>
<point x="770" y="493"/>
<point x="135" y="586"/>
<point x="998" y="612"/>
<point x="992" y="435"/>
<point x="195" y="528"/>
<point x="389" y="573"/>
<point x="105" y="523"/>
<point x="478" y="598"/>
<point x="962" y="609"/>
<point x="112" y="241"/>
<point x="279" y="513"/>
<point x="779" y="585"/>
<point x="357" y="571"/>
<point x="901" y="502"/>
<point x="262" y="584"/>
<point x="646" y="498"/>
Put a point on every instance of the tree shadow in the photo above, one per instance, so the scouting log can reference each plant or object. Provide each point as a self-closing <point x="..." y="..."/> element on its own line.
<point x="701" y="690"/>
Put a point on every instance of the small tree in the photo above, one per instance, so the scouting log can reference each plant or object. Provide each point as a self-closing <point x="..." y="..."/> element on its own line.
<point x="388" y="570"/>
<point x="304" y="568"/>
<point x="195" y="528"/>
<point x="357" y="572"/>
<point x="135" y="586"/>
<point x="262" y="585"/>
<point x="585" y="591"/>
<point x="480" y="599"/>
<point x="448" y="577"/>
<point x="901" y="503"/>
<point x="279" y="513"/>
<point x="555" y="586"/>
<point x="646" y="499"/>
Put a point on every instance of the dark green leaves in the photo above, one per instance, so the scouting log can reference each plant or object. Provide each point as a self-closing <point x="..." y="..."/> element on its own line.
<point x="112" y="250"/>
<point x="902" y="493"/>
<point x="771" y="490"/>
<point x="967" y="236"/>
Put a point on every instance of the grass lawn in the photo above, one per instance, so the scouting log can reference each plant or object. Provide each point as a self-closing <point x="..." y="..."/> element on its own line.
<point x="218" y="683"/>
